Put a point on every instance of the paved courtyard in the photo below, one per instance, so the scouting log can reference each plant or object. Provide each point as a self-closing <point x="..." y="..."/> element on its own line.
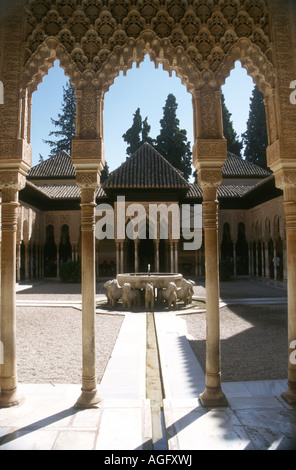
<point x="253" y="326"/>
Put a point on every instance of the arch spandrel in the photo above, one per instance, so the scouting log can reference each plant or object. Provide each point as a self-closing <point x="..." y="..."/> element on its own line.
<point x="198" y="39"/>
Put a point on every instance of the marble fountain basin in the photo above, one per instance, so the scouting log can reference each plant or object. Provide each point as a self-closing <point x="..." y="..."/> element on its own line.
<point x="140" y="280"/>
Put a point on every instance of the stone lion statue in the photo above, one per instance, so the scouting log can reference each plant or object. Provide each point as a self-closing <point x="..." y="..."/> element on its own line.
<point x="113" y="291"/>
<point x="185" y="292"/>
<point x="130" y="297"/>
<point x="168" y="295"/>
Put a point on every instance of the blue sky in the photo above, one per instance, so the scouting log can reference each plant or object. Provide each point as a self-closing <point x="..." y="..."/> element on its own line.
<point x="146" y="88"/>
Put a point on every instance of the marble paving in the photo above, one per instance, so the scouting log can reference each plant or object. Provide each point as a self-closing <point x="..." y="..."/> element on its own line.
<point x="256" y="419"/>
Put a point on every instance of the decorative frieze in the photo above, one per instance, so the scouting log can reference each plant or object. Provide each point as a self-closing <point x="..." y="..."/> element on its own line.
<point x="97" y="33"/>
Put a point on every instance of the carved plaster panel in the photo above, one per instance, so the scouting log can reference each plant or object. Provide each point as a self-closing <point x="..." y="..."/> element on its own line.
<point x="97" y="33"/>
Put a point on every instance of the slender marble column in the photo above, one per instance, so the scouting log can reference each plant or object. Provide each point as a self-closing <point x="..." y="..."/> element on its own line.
<point x="156" y="255"/>
<point x="89" y="397"/>
<point x="234" y="259"/>
<point x="172" y="255"/>
<point x="290" y="213"/>
<point x="267" y="274"/>
<point x="8" y="378"/>
<point x="18" y="262"/>
<point x="117" y="258"/>
<point x="275" y="260"/>
<point x="176" y="256"/>
<point x="213" y="395"/>
<point x="121" y="257"/>
<point x="136" y="246"/>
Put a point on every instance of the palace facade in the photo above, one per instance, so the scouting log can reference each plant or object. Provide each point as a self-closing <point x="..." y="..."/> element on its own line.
<point x="94" y="40"/>
<point x="251" y="219"/>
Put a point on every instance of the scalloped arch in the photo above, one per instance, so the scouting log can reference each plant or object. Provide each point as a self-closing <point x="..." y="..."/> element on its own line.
<point x="200" y="41"/>
<point x="258" y="67"/>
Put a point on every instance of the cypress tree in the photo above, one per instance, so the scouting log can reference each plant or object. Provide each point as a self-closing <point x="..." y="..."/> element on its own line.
<point x="172" y="141"/>
<point x="132" y="135"/>
<point x="66" y="123"/>
<point x="255" y="138"/>
<point x="233" y="143"/>
<point x="137" y="134"/>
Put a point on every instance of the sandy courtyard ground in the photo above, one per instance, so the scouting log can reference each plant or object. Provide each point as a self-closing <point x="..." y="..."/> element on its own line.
<point x="253" y="337"/>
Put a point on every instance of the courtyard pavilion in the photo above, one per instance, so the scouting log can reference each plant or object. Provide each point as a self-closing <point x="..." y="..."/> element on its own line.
<point x="200" y="40"/>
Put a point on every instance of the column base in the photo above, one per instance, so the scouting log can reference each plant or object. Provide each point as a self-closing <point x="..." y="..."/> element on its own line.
<point x="10" y="398"/>
<point x="212" y="398"/>
<point x="88" y="399"/>
<point x="290" y="395"/>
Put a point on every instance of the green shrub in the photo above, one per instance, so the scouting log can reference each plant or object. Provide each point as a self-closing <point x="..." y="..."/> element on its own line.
<point x="70" y="271"/>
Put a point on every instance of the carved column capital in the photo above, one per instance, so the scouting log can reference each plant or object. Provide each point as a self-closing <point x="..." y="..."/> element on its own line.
<point x="12" y="179"/>
<point x="87" y="179"/>
<point x="285" y="178"/>
<point x="209" y="153"/>
<point x="209" y="178"/>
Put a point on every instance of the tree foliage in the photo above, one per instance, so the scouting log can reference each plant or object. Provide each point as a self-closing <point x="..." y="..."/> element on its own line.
<point x="65" y="123"/>
<point x="255" y="138"/>
<point x="172" y="141"/>
<point x="137" y="134"/>
<point x="234" y="145"/>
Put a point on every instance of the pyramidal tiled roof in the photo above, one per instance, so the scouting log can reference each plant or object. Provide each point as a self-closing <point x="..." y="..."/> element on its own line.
<point x="59" y="166"/>
<point x="146" y="168"/>
<point x="235" y="167"/>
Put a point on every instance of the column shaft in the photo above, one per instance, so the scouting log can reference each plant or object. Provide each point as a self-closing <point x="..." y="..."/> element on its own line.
<point x="89" y="397"/>
<point x="290" y="212"/>
<point x="213" y="395"/>
<point x="8" y="376"/>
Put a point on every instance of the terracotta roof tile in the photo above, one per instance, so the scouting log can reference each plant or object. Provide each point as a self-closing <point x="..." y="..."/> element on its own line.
<point x="146" y="168"/>
<point x="236" y="167"/>
<point x="225" y="190"/>
<point x="64" y="191"/>
<point x="59" y="166"/>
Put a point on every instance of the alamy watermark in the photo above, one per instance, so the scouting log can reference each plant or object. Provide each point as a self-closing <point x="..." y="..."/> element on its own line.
<point x="164" y="222"/>
<point x="293" y="94"/>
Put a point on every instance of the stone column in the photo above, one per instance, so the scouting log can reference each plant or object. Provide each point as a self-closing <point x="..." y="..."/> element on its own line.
<point x="136" y="245"/>
<point x="263" y="259"/>
<point x="213" y="395"/>
<point x="274" y="260"/>
<point x="196" y="270"/>
<point x="250" y="258"/>
<point x="117" y="258"/>
<point x="267" y="273"/>
<point x="121" y="257"/>
<point x="8" y="378"/>
<point x="176" y="256"/>
<point x="156" y="255"/>
<point x="209" y="154"/>
<point x="18" y="261"/>
<point x="284" y="260"/>
<point x="234" y="259"/>
<point x="89" y="397"/>
<point x="88" y="160"/>
<point x="290" y="212"/>
<point x="172" y="255"/>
